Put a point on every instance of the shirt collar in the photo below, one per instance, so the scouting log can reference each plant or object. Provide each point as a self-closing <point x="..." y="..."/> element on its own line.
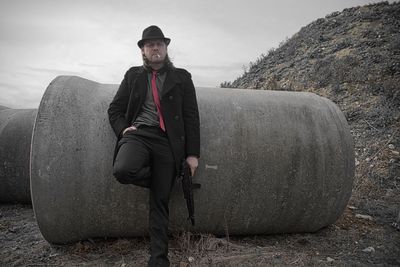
<point x="159" y="72"/>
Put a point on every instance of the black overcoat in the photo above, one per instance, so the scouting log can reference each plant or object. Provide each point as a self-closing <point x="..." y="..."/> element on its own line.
<point x="178" y="106"/>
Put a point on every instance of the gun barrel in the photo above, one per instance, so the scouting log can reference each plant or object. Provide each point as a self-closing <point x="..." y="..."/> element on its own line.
<point x="187" y="187"/>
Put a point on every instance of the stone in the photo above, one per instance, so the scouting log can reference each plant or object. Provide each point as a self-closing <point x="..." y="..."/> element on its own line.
<point x="369" y="249"/>
<point x="364" y="217"/>
<point x="329" y="259"/>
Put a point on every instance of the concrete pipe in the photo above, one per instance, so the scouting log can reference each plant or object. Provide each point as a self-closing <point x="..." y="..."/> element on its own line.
<point x="16" y="127"/>
<point x="272" y="162"/>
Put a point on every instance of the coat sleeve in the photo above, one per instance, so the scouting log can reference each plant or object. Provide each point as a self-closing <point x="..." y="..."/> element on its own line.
<point x="191" y="118"/>
<point x="118" y="107"/>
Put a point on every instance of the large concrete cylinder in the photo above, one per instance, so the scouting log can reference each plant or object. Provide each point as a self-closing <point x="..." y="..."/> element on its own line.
<point x="271" y="162"/>
<point x="16" y="127"/>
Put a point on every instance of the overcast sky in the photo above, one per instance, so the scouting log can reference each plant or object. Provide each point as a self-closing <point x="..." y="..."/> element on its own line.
<point x="213" y="39"/>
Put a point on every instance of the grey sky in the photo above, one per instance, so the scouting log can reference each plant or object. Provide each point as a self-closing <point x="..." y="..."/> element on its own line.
<point x="96" y="40"/>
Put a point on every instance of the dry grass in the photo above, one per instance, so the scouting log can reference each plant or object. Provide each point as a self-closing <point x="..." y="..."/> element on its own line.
<point x="188" y="247"/>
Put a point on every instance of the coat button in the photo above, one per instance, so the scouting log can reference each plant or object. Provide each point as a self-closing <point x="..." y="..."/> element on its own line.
<point x="182" y="138"/>
<point x="171" y="97"/>
<point x="176" y="117"/>
<point x="136" y="95"/>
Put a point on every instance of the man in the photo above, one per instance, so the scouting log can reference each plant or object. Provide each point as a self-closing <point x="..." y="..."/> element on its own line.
<point x="155" y="117"/>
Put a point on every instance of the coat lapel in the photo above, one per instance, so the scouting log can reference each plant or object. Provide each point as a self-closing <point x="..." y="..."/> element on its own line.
<point x="137" y="95"/>
<point x="169" y="83"/>
<point x="141" y="84"/>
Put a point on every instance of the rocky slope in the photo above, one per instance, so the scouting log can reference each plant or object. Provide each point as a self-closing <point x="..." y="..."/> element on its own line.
<point x="353" y="58"/>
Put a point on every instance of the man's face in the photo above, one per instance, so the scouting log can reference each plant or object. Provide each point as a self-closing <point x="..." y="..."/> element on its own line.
<point x="155" y="50"/>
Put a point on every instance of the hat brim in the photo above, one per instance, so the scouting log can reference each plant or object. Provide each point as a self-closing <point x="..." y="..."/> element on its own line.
<point x="141" y="42"/>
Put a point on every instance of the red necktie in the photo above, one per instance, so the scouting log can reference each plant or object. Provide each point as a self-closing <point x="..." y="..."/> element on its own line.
<point x="157" y="99"/>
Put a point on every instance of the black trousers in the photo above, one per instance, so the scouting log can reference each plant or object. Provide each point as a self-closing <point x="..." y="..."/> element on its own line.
<point x="145" y="159"/>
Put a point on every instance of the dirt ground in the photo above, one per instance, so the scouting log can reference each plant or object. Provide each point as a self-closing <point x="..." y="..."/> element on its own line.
<point x="353" y="240"/>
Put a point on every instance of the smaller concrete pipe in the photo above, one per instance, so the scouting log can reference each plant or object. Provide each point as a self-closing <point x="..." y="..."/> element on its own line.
<point x="16" y="127"/>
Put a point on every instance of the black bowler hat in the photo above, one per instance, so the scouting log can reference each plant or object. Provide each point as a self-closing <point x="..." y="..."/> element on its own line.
<point x="151" y="33"/>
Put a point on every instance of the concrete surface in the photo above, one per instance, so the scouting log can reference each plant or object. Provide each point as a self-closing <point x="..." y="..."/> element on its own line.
<point x="16" y="127"/>
<point x="271" y="162"/>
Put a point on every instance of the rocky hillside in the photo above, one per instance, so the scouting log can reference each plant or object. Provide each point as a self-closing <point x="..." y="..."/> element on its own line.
<point x="353" y="58"/>
<point x="356" y="47"/>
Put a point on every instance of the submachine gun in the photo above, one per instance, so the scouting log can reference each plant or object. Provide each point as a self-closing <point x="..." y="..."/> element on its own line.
<point x="188" y="186"/>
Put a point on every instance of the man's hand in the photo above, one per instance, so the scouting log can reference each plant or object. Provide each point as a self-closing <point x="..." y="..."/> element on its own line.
<point x="193" y="162"/>
<point x="131" y="128"/>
